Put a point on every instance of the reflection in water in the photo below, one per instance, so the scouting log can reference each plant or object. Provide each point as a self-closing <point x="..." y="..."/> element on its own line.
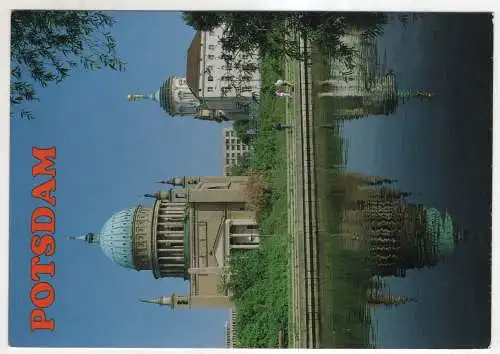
<point x="395" y="234"/>
<point x="360" y="87"/>
<point x="369" y="231"/>
<point x="373" y="232"/>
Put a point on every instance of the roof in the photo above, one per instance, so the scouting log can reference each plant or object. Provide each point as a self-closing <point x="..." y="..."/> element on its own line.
<point x="193" y="64"/>
<point x="116" y="236"/>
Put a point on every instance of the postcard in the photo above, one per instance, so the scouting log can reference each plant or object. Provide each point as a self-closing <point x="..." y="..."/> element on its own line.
<point x="250" y="179"/>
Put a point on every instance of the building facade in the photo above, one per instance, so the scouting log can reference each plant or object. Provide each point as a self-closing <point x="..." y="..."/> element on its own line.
<point x="232" y="150"/>
<point x="230" y="337"/>
<point x="176" y="99"/>
<point x="189" y="232"/>
<point x="217" y="84"/>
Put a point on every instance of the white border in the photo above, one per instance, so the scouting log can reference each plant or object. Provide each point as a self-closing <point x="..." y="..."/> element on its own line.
<point x="386" y="5"/>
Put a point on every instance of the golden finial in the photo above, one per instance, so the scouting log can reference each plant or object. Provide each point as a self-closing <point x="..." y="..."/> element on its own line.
<point x="135" y="97"/>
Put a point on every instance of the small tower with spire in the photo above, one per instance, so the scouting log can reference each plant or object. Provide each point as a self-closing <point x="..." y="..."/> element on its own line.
<point x="90" y="237"/>
<point x="160" y="195"/>
<point x="174" y="181"/>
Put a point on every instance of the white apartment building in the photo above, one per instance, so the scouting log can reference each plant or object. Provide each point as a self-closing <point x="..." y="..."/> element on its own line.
<point x="232" y="148"/>
<point x="230" y="338"/>
<point x="217" y="85"/>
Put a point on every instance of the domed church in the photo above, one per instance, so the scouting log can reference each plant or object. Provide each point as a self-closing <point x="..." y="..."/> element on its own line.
<point x="188" y="232"/>
<point x="176" y="99"/>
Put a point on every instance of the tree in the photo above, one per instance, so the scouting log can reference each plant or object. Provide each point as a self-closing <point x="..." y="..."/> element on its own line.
<point x="243" y="166"/>
<point x="47" y="45"/>
<point x="241" y="127"/>
<point x="274" y="33"/>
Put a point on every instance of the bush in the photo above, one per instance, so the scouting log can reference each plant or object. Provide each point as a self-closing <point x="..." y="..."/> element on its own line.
<point x="258" y="192"/>
<point x="258" y="280"/>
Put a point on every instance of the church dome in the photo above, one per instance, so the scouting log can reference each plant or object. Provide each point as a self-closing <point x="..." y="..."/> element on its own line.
<point x="115" y="237"/>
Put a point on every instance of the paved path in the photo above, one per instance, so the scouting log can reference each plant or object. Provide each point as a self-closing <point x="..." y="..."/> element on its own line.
<point x="304" y="321"/>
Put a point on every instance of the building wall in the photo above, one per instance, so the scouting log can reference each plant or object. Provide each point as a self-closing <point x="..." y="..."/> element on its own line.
<point x="233" y="338"/>
<point x="215" y="204"/>
<point x="222" y="87"/>
<point x="232" y="149"/>
<point x="184" y="102"/>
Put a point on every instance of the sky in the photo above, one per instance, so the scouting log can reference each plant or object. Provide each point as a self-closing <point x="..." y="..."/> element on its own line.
<point x="109" y="153"/>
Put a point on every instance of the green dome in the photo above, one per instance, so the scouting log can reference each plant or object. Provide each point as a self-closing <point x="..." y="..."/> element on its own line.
<point x="440" y="226"/>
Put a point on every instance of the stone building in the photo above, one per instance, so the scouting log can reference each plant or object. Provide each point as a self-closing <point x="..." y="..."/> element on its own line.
<point x="212" y="89"/>
<point x="230" y="337"/>
<point x="217" y="84"/>
<point x="188" y="232"/>
<point x="176" y="99"/>
<point x="232" y="149"/>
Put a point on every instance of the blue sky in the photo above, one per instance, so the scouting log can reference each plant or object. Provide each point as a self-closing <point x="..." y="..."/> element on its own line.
<point x="109" y="152"/>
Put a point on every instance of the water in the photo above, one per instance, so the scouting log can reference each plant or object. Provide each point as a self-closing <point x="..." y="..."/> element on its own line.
<point x="440" y="150"/>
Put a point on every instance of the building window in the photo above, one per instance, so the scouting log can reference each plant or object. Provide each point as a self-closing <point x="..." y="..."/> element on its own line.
<point x="182" y="302"/>
<point x="227" y="162"/>
<point x="226" y="78"/>
<point x="210" y="89"/>
<point x="246" y="88"/>
<point x="249" y="67"/>
<point x="211" y="46"/>
<point x="209" y="68"/>
<point x="180" y="195"/>
<point x="211" y="57"/>
<point x="246" y="78"/>
<point x="210" y="78"/>
<point x="228" y="67"/>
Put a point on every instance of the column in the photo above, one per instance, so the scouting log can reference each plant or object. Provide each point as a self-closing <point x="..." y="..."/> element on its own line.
<point x="245" y="247"/>
<point x="244" y="222"/>
<point x="206" y="270"/>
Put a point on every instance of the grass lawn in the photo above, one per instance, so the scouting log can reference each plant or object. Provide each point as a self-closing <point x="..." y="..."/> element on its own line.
<point x="260" y="278"/>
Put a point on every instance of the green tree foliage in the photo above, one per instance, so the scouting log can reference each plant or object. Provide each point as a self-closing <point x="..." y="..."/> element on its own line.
<point x="47" y="45"/>
<point x="273" y="33"/>
<point x="259" y="280"/>
<point x="243" y="167"/>
<point x="241" y="128"/>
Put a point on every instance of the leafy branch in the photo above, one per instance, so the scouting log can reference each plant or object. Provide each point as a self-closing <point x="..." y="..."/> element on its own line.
<point x="47" y="45"/>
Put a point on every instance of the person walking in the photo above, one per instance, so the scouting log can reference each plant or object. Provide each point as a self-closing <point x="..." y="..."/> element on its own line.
<point x="283" y="84"/>
<point x="280" y="93"/>
<point x="279" y="126"/>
